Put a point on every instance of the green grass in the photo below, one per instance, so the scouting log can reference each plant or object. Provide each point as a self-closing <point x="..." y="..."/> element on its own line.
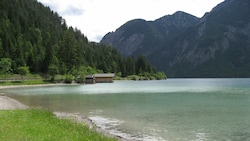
<point x="15" y="79"/>
<point x="42" y="125"/>
<point x="25" y="82"/>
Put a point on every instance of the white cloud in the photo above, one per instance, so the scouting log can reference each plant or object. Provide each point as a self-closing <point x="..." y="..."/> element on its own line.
<point x="73" y="11"/>
<point x="95" y="18"/>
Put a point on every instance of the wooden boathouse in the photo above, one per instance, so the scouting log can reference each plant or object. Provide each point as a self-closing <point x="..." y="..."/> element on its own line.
<point x="99" y="78"/>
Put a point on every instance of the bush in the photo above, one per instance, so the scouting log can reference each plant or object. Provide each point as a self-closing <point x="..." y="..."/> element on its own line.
<point x="23" y="70"/>
<point x="59" y="78"/>
<point x="133" y="77"/>
<point x="68" y="78"/>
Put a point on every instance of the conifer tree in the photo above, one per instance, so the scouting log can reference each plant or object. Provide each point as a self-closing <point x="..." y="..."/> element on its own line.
<point x="69" y="55"/>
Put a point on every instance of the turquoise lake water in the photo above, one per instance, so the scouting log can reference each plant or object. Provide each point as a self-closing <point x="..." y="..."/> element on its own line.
<point x="170" y="110"/>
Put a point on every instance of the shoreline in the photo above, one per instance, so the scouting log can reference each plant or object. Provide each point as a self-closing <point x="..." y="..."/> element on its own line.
<point x="36" y="85"/>
<point x="92" y="126"/>
<point x="7" y="103"/>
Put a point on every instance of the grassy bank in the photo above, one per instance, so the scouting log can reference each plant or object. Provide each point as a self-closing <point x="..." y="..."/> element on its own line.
<point x="42" y="125"/>
<point x="26" y="82"/>
<point x="15" y="79"/>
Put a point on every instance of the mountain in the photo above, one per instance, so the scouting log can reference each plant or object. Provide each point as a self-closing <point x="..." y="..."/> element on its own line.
<point x="216" y="45"/>
<point x="143" y="37"/>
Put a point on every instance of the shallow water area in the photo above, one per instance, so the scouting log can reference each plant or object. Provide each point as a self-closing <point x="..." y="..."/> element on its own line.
<point x="173" y="109"/>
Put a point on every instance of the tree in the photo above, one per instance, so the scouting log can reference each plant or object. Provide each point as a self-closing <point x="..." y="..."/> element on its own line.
<point x="69" y="55"/>
<point x="160" y="75"/>
<point x="23" y="70"/>
<point x="53" y="70"/>
<point x="1" y="48"/>
<point x="141" y="64"/>
<point x="5" y="65"/>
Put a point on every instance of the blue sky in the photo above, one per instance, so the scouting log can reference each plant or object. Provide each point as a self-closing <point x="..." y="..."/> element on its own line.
<point x="95" y="18"/>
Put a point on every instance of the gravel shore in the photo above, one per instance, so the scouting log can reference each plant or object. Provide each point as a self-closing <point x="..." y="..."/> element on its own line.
<point x="7" y="103"/>
<point x="82" y="119"/>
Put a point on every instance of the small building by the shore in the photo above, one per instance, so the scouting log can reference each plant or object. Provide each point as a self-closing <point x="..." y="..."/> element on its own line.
<point x="99" y="78"/>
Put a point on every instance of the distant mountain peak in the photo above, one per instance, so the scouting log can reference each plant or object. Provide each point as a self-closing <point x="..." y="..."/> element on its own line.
<point x="179" y="19"/>
<point x="138" y="33"/>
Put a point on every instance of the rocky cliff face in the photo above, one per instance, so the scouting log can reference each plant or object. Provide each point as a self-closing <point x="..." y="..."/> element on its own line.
<point x="142" y="37"/>
<point x="127" y="43"/>
<point x="217" y="45"/>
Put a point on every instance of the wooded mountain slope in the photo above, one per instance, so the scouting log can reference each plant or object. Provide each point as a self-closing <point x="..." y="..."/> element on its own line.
<point x="32" y="35"/>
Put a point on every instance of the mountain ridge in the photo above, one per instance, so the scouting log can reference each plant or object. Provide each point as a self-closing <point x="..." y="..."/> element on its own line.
<point x="216" y="45"/>
<point x="150" y="33"/>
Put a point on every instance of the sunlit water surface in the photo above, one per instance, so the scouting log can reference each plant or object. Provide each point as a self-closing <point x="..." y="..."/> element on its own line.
<point x="171" y="110"/>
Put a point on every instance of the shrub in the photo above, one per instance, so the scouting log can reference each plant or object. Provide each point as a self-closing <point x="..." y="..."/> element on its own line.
<point x="68" y="78"/>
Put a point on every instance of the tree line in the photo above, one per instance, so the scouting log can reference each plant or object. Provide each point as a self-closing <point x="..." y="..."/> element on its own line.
<point x="33" y="36"/>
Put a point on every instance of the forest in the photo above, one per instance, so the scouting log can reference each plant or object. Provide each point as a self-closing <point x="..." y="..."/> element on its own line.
<point x="35" y="39"/>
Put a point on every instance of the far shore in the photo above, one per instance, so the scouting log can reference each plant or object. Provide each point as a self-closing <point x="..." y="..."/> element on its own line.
<point x="37" y="85"/>
<point x="7" y="103"/>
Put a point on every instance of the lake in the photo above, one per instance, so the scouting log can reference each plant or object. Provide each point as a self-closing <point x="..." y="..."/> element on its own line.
<point x="166" y="110"/>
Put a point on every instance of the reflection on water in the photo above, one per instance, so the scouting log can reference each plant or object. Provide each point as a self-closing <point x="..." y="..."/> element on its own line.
<point x="175" y="109"/>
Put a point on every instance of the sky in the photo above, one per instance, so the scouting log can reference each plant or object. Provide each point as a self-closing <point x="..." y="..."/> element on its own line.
<point x="95" y="18"/>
